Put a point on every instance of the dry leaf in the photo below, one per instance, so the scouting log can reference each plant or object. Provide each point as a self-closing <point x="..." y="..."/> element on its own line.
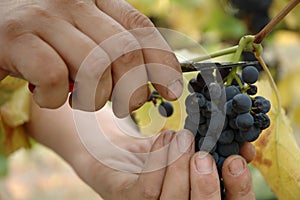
<point x="278" y="155"/>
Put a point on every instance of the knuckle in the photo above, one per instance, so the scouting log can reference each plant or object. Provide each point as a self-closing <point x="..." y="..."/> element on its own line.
<point x="135" y="19"/>
<point x="131" y="50"/>
<point x="150" y="192"/>
<point x="12" y="27"/>
<point x="95" y="65"/>
<point x="38" y="12"/>
<point x="54" y="77"/>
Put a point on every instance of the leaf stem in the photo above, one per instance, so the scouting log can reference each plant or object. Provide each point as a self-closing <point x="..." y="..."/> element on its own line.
<point x="271" y="80"/>
<point x="259" y="37"/>
<point x="215" y="54"/>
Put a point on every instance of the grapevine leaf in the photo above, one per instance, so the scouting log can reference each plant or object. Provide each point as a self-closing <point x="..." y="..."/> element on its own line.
<point x="13" y="114"/>
<point x="278" y="155"/>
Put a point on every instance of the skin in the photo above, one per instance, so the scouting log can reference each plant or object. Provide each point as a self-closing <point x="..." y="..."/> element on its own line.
<point x="92" y="42"/>
<point x="190" y="175"/>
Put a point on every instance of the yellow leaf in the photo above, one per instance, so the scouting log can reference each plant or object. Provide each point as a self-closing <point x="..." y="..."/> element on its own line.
<point x="151" y="122"/>
<point x="278" y="155"/>
<point x="15" y="112"/>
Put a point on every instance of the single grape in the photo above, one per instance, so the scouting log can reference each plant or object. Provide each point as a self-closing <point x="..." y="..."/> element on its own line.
<point x="229" y="110"/>
<point x="231" y="91"/>
<point x="244" y="121"/>
<point x="202" y="130"/>
<point x="189" y="125"/>
<point x="250" y="74"/>
<point x="260" y="104"/>
<point x="196" y="118"/>
<point x="210" y="109"/>
<point x="252" y="90"/>
<point x="194" y="101"/>
<point x="252" y="134"/>
<point x="215" y="90"/>
<point x="226" y="137"/>
<point x="194" y="86"/>
<point x="228" y="149"/>
<point x="241" y="103"/>
<point x="261" y="120"/>
<point x="239" y="137"/>
<point x="232" y="123"/>
<point x="165" y="109"/>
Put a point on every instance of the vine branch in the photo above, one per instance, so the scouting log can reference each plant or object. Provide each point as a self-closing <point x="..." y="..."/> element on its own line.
<point x="259" y="37"/>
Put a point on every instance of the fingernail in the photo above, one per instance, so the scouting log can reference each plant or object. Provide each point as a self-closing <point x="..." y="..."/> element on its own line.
<point x="236" y="167"/>
<point x="184" y="142"/>
<point x="175" y="89"/>
<point x="204" y="163"/>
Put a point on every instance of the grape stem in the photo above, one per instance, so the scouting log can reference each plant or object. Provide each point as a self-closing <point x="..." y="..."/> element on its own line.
<point x="271" y="80"/>
<point x="259" y="37"/>
<point x="223" y="52"/>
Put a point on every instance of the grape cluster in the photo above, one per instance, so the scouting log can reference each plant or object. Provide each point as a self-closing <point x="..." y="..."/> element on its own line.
<point x="222" y="118"/>
<point x="254" y="12"/>
<point x="165" y="108"/>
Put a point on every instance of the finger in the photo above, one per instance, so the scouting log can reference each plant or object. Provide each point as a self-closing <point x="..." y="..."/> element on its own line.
<point x="157" y="54"/>
<point x="237" y="179"/>
<point x="41" y="66"/>
<point x="149" y="183"/>
<point x="204" y="177"/>
<point x="126" y="56"/>
<point x="248" y="151"/>
<point x="177" y="179"/>
<point x="87" y="62"/>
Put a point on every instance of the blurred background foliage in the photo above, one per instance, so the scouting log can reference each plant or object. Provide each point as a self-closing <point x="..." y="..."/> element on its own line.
<point x="214" y="24"/>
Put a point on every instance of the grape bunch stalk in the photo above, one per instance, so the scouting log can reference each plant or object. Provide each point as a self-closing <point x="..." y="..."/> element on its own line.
<point x="224" y="112"/>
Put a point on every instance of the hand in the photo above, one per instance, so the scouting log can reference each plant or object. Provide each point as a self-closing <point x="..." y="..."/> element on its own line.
<point x="170" y="171"/>
<point x="100" y="45"/>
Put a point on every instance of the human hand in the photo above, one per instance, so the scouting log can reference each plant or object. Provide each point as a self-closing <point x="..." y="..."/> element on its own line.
<point x="163" y="167"/>
<point x="101" y="45"/>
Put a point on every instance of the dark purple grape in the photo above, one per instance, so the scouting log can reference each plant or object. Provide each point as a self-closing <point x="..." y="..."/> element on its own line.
<point x="229" y="110"/>
<point x="194" y="86"/>
<point x="261" y="105"/>
<point x="252" y="90"/>
<point x="261" y="120"/>
<point x="228" y="149"/>
<point x="226" y="136"/>
<point x="189" y="125"/>
<point x="241" y="103"/>
<point x="194" y="102"/>
<point x="165" y="109"/>
<point x="244" y="121"/>
<point x="196" y="118"/>
<point x="215" y="90"/>
<point x="231" y="91"/>
<point x="252" y="134"/>
<point x="250" y="74"/>
<point x="232" y="123"/>
<point x="202" y="130"/>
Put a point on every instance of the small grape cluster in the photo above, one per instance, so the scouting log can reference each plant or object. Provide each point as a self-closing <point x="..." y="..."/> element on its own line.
<point x="254" y="12"/>
<point x="222" y="118"/>
<point x="165" y="108"/>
